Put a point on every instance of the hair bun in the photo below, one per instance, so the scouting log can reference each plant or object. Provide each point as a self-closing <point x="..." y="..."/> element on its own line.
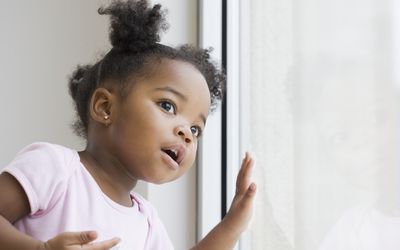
<point x="76" y="79"/>
<point x="134" y="25"/>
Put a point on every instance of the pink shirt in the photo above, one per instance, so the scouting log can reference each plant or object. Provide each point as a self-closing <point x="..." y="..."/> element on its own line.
<point x="63" y="196"/>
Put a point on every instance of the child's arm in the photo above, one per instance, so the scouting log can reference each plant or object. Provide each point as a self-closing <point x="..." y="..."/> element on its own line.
<point x="225" y="235"/>
<point x="14" y="205"/>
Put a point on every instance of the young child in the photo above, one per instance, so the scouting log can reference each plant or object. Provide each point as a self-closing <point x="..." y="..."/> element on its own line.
<point x="141" y="109"/>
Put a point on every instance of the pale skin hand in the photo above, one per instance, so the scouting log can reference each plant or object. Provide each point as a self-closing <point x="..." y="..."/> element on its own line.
<point x="78" y="241"/>
<point x="225" y="235"/>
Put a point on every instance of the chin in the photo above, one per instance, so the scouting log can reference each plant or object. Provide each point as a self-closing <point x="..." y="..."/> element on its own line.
<point x="161" y="179"/>
<point x="159" y="182"/>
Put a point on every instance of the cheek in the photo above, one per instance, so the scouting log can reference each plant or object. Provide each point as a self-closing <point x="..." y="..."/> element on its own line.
<point x="138" y="123"/>
<point x="192" y="155"/>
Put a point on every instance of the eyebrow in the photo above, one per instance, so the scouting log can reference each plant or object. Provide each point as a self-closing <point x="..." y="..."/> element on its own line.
<point x="173" y="91"/>
<point x="181" y="96"/>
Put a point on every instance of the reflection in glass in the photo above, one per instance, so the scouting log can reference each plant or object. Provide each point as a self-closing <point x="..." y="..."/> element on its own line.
<point x="321" y="108"/>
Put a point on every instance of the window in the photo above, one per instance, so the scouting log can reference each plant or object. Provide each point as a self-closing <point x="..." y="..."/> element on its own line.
<point x="314" y="93"/>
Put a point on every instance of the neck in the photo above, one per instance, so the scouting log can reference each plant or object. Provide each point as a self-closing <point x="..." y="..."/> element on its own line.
<point x="109" y="174"/>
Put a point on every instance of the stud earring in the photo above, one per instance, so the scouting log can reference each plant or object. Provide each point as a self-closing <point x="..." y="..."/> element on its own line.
<point x="106" y="117"/>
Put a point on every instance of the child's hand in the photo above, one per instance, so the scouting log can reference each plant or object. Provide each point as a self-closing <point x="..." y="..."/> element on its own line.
<point x="78" y="241"/>
<point x="225" y="235"/>
<point x="241" y="209"/>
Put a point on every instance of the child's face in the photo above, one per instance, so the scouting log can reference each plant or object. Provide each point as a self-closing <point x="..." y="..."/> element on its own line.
<point x="159" y="118"/>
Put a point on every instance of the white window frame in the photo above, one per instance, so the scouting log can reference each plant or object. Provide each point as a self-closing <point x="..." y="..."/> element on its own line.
<point x="209" y="157"/>
<point x="209" y="173"/>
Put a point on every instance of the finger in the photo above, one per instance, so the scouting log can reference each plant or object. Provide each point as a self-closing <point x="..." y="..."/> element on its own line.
<point x="247" y="171"/>
<point x="102" y="245"/>
<point x="243" y="179"/>
<point x="245" y="201"/>
<point x="246" y="177"/>
<point x="248" y="198"/>
<point x="251" y="191"/>
<point x="240" y="173"/>
<point x="240" y="183"/>
<point x="73" y="238"/>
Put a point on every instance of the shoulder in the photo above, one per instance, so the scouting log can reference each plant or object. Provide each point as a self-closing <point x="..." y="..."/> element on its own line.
<point x="344" y="233"/>
<point x="43" y="159"/>
<point x="44" y="152"/>
<point x="354" y="217"/>
<point x="43" y="170"/>
<point x="45" y="148"/>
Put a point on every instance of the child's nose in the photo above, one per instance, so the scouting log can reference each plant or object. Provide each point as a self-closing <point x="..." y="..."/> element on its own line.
<point x="185" y="133"/>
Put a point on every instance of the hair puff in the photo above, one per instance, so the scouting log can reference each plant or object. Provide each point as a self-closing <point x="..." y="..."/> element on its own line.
<point x="134" y="25"/>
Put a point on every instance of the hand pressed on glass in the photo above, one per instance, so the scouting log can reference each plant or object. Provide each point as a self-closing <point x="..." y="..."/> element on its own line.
<point x="241" y="208"/>
<point x="225" y="235"/>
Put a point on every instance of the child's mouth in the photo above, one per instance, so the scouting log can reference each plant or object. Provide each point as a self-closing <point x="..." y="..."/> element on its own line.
<point x="175" y="152"/>
<point x="172" y="153"/>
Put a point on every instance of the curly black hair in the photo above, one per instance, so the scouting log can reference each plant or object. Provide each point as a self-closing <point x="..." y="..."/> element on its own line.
<point x="135" y="35"/>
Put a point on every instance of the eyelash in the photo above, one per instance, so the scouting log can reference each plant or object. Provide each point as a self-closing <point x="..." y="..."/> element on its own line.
<point x="170" y="103"/>
<point x="173" y="106"/>
<point x="199" y="131"/>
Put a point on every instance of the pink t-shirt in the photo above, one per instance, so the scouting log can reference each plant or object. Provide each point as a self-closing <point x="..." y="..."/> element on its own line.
<point x="63" y="196"/>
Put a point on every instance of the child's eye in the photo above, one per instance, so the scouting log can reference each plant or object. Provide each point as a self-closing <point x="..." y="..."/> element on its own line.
<point x="196" y="131"/>
<point x="168" y="106"/>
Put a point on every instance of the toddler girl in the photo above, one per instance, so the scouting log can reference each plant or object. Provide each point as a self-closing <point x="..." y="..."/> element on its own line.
<point x="141" y="109"/>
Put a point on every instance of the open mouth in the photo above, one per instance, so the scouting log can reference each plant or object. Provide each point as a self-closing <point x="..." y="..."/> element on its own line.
<point x="172" y="153"/>
<point x="175" y="152"/>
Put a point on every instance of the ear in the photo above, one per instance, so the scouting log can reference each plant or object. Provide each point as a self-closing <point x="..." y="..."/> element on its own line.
<point x="101" y="105"/>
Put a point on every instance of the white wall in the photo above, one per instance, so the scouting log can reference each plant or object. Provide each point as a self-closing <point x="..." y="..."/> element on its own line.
<point x="41" y="42"/>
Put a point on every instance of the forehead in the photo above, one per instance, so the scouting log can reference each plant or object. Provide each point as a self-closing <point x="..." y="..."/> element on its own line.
<point x="183" y="73"/>
<point x="178" y="75"/>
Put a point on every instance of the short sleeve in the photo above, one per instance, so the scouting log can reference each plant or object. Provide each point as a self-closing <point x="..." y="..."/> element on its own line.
<point x="42" y="170"/>
<point x="157" y="238"/>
